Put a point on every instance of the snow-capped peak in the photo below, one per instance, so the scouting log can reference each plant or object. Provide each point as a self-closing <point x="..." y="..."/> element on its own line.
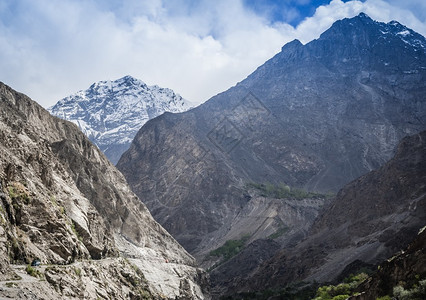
<point x="111" y="112"/>
<point x="407" y="35"/>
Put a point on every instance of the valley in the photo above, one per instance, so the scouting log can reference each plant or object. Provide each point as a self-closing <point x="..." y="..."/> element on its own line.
<point x="63" y="202"/>
<point x="305" y="180"/>
<point x="314" y="117"/>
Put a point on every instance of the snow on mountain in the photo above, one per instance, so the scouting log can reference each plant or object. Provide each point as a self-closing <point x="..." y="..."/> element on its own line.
<point x="406" y="34"/>
<point x="110" y="113"/>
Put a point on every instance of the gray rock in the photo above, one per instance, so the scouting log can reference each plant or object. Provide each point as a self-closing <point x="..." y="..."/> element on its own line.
<point x="66" y="204"/>
<point x="315" y="116"/>
<point x="371" y="219"/>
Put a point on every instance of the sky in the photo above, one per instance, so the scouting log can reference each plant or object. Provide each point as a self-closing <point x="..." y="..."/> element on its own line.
<point x="50" y="49"/>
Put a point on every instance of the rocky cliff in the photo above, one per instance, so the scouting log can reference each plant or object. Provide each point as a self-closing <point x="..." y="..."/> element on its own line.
<point x="110" y="113"/>
<point x="314" y="117"/>
<point x="371" y="219"/>
<point x="65" y="204"/>
<point x="402" y="275"/>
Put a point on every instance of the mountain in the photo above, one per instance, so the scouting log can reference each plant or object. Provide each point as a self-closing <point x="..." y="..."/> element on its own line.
<point x="370" y="219"/>
<point x="400" y="274"/>
<point x="64" y="203"/>
<point x="110" y="113"/>
<point x="313" y="117"/>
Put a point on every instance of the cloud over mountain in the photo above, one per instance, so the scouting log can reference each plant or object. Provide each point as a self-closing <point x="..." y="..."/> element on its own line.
<point x="196" y="48"/>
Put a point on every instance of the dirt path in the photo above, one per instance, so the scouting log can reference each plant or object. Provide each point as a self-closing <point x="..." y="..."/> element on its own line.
<point x="10" y="289"/>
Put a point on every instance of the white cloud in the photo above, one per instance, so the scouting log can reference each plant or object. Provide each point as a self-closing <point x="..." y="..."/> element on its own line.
<point x="49" y="49"/>
<point x="379" y="10"/>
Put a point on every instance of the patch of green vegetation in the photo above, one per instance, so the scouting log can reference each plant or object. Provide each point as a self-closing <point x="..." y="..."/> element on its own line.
<point x="355" y="279"/>
<point x="33" y="271"/>
<point x="280" y="232"/>
<point x="384" y="298"/>
<point x="74" y="230"/>
<point x="343" y="290"/>
<point x="77" y="271"/>
<point x="53" y="200"/>
<point x="11" y="284"/>
<point x="230" y="248"/>
<point x="56" y="204"/>
<point x="18" y="193"/>
<point x="296" y="291"/>
<point x="283" y="191"/>
<point x="416" y="292"/>
<point x="12" y="192"/>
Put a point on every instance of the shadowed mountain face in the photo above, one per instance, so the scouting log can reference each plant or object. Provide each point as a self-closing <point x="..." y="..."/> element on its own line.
<point x="406" y="269"/>
<point x="315" y="116"/>
<point x="371" y="219"/>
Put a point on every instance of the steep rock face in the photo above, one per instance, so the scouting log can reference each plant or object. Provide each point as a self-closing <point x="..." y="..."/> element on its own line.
<point x="315" y="116"/>
<point x="62" y="201"/>
<point x="370" y="219"/>
<point x="406" y="268"/>
<point x="110" y="113"/>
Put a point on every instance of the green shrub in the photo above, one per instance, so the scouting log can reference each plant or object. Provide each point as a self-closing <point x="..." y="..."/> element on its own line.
<point x="355" y="280"/>
<point x="342" y="290"/>
<point x="18" y="193"/>
<point x="33" y="272"/>
<point x="340" y="297"/>
<point x="417" y="291"/>
<point x="230" y="248"/>
<point x="11" y="284"/>
<point x="280" y="231"/>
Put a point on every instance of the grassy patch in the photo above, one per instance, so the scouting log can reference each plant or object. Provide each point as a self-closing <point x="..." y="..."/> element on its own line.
<point x="283" y="191"/>
<point x="416" y="291"/>
<point x="341" y="291"/>
<point x="280" y="232"/>
<point x="11" y="284"/>
<point x="230" y="248"/>
<point x="384" y="298"/>
<point x="62" y="210"/>
<point x="74" y="230"/>
<point x="33" y="271"/>
<point x="56" y="204"/>
<point x="77" y="271"/>
<point x="18" y="193"/>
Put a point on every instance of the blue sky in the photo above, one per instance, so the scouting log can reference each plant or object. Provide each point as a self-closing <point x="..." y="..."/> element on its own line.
<point x="50" y="49"/>
<point x="288" y="11"/>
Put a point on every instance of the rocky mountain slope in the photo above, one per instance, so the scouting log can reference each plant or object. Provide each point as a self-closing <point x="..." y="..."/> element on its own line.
<point x="315" y="117"/>
<point x="406" y="271"/>
<point x="110" y="113"/>
<point x="371" y="219"/>
<point x="63" y="202"/>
